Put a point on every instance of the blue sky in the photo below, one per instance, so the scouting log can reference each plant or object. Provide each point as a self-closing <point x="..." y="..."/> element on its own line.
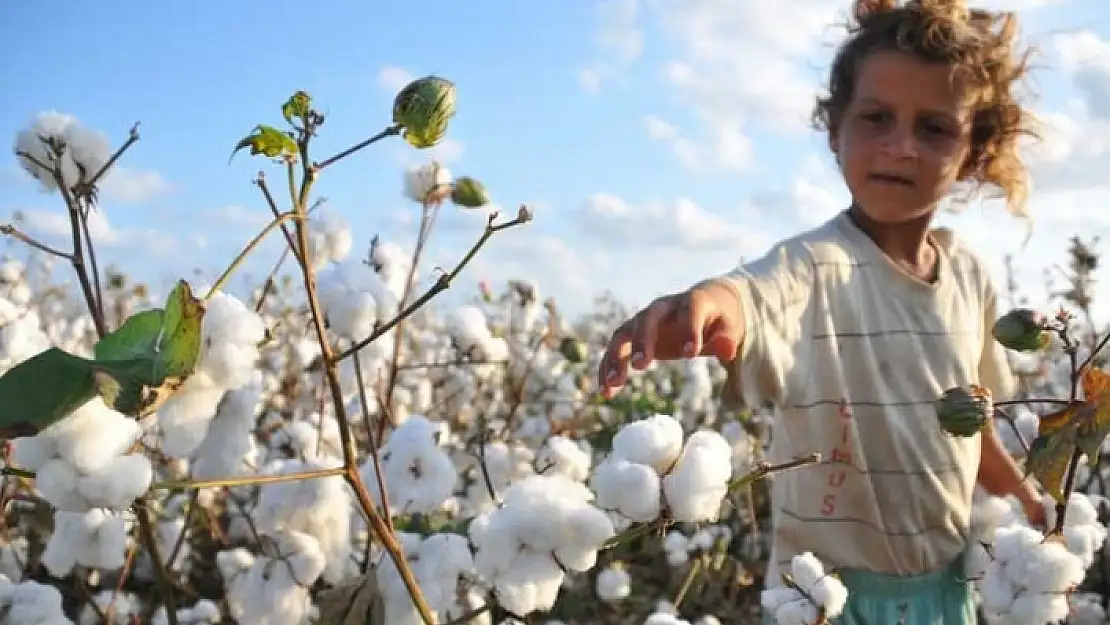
<point x="657" y="141"/>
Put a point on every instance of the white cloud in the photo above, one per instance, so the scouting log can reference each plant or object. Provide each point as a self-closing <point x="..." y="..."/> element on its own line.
<point x="394" y="78"/>
<point x="55" y="225"/>
<point x="590" y="79"/>
<point x="236" y="215"/>
<point x="680" y="224"/>
<point x="125" y="185"/>
<point x="619" y="39"/>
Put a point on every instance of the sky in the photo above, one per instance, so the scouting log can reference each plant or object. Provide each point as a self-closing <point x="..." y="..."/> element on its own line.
<point x="657" y="142"/>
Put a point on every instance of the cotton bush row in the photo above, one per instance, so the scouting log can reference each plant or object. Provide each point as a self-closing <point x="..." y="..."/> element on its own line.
<point x="493" y="457"/>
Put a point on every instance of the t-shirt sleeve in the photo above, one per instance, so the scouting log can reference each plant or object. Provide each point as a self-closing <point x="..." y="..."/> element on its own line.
<point x="774" y="295"/>
<point x="994" y="366"/>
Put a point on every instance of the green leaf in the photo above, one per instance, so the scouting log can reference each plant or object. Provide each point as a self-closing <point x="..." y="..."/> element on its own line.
<point x="43" y="389"/>
<point x="180" y="341"/>
<point x="136" y="337"/>
<point x="1050" y="453"/>
<point x="135" y="369"/>
<point x="268" y="141"/>
<point x="297" y="106"/>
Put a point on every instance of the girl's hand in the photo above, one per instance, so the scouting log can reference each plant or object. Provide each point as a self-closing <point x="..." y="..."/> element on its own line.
<point x="703" y="321"/>
<point x="1035" y="513"/>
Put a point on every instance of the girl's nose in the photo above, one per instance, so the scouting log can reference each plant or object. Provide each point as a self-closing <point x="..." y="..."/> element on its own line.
<point x="900" y="143"/>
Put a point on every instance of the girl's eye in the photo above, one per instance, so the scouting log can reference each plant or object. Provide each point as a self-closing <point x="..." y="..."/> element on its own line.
<point x="876" y="117"/>
<point x="936" y="129"/>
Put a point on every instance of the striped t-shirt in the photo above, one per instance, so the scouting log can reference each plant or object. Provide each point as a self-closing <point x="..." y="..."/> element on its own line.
<point x="852" y="351"/>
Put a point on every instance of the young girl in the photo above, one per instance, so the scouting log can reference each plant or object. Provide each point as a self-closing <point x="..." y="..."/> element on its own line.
<point x="853" y="329"/>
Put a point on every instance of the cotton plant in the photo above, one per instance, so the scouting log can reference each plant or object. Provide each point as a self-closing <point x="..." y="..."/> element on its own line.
<point x="58" y="143"/>
<point x="440" y="563"/>
<point x="319" y="508"/>
<point x="545" y="526"/>
<point x="230" y="335"/>
<point x="1021" y="575"/>
<point x="806" y="596"/>
<point x="417" y="473"/>
<point x="272" y="588"/>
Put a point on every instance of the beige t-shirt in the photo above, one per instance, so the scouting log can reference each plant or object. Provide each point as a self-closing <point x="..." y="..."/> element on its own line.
<point x="852" y="351"/>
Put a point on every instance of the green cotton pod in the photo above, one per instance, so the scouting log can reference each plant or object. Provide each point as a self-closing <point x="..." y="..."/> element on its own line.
<point x="469" y="193"/>
<point x="573" y="349"/>
<point x="1021" y="330"/>
<point x="965" y="412"/>
<point x="422" y="108"/>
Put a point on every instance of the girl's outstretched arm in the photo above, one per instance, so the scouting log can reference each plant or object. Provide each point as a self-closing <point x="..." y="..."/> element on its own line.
<point x="1000" y="476"/>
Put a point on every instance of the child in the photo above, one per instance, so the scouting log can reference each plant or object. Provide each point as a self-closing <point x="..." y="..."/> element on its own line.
<point x="853" y="329"/>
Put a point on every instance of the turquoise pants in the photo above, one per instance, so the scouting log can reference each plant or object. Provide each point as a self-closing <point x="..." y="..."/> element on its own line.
<point x="939" y="598"/>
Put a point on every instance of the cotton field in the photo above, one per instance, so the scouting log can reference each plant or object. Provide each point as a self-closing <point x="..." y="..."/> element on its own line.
<point x="455" y="469"/>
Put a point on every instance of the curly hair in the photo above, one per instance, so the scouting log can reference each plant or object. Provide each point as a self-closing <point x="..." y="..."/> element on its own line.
<point x="979" y="46"/>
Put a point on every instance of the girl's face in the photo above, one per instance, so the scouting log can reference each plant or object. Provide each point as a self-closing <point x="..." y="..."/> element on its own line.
<point x="904" y="137"/>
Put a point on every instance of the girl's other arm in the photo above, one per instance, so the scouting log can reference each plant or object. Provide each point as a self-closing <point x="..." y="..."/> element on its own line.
<point x="1000" y="476"/>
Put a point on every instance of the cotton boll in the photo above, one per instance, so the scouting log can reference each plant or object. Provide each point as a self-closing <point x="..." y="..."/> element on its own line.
<point x="698" y="482"/>
<point x="84" y="151"/>
<point x="94" y="539"/>
<point x="329" y="238"/>
<point x="184" y="417"/>
<point x="230" y="335"/>
<point x="116" y="485"/>
<point x="468" y="327"/>
<point x="1087" y="609"/>
<point x="419" y="476"/>
<point x="530" y="585"/>
<point x="30" y="452"/>
<point x="655" y="441"/>
<point x="830" y="594"/>
<point x="319" y="508"/>
<point x="92" y="435"/>
<point x="125" y="608"/>
<point x="799" y="612"/>
<point x="822" y="592"/>
<point x="660" y="618"/>
<point x="631" y="489"/>
<point x="613" y="584"/>
<point x="31" y="603"/>
<point x="422" y="181"/>
<point x="562" y="455"/>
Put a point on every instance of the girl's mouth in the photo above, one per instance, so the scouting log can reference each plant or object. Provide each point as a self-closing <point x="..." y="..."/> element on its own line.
<point x="892" y="179"/>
